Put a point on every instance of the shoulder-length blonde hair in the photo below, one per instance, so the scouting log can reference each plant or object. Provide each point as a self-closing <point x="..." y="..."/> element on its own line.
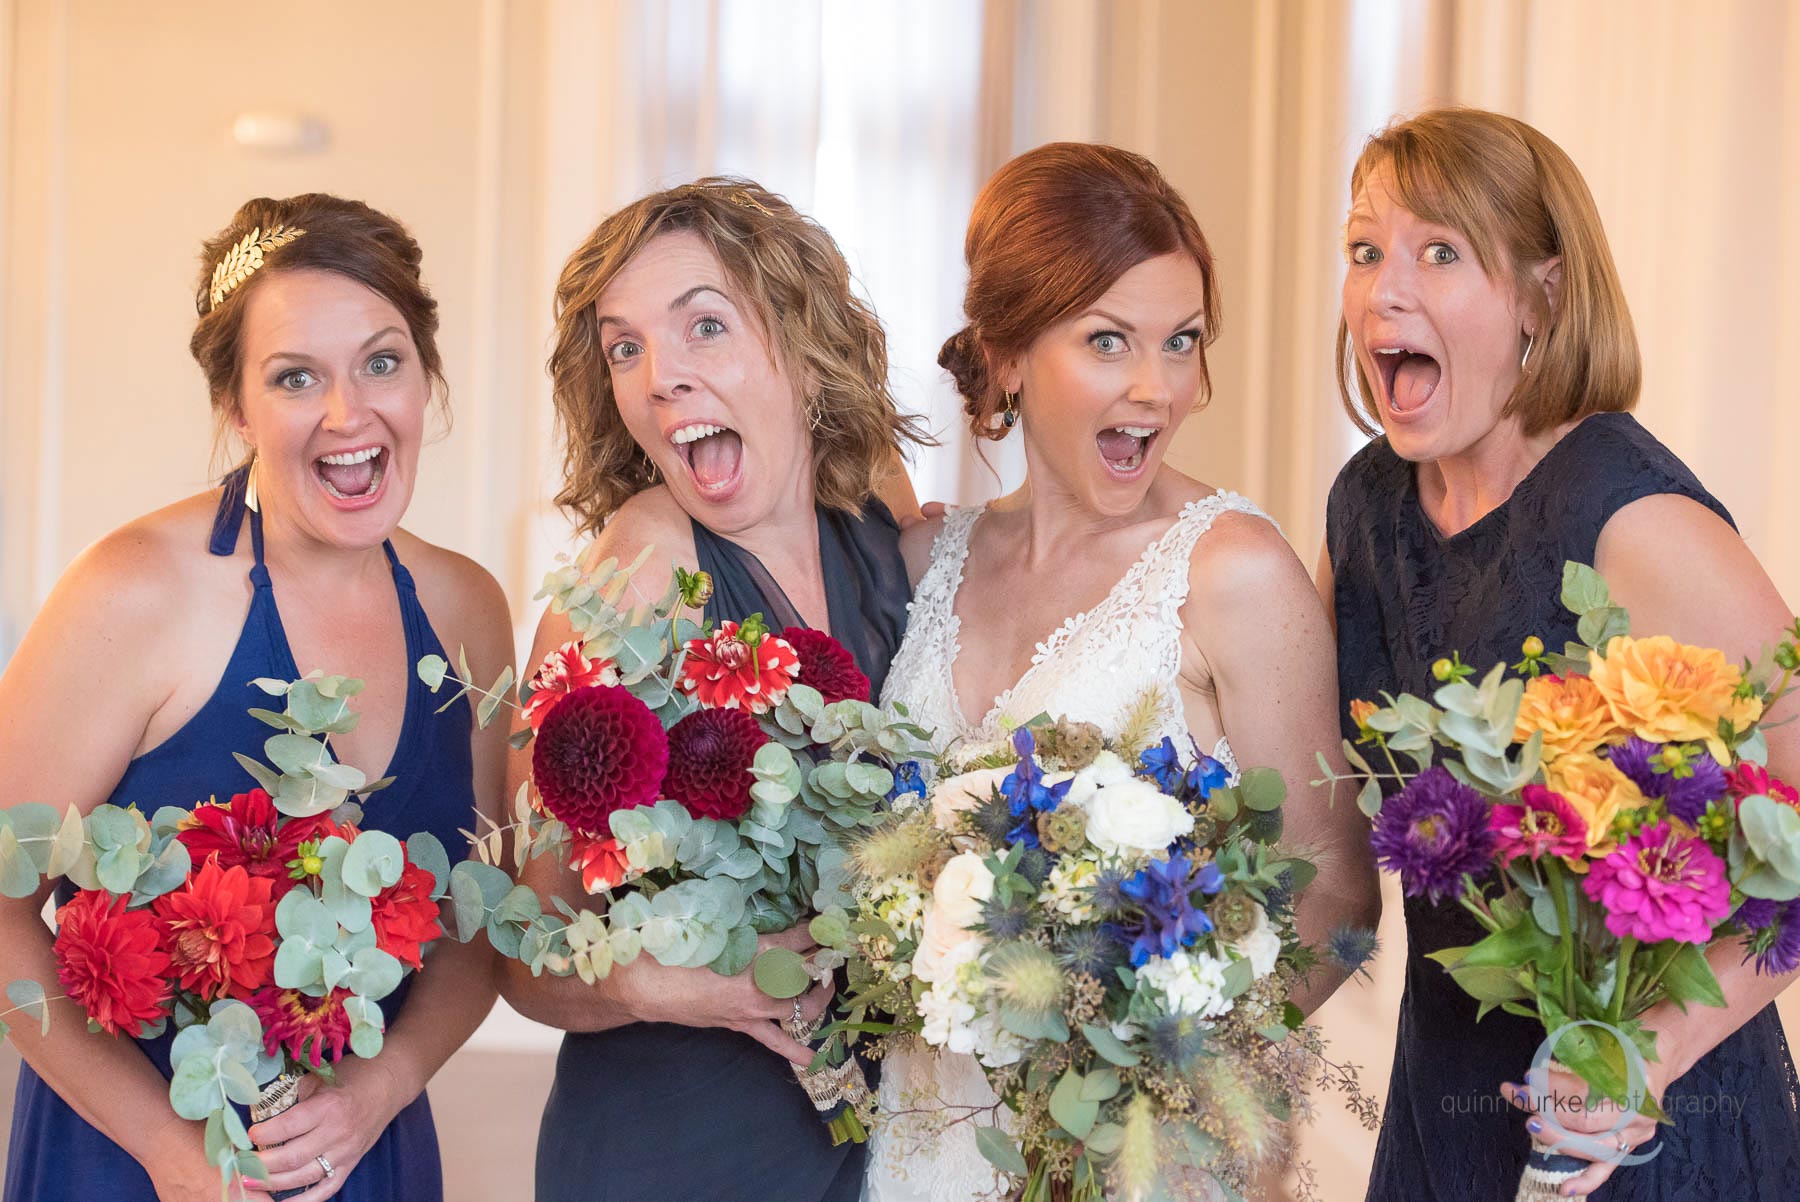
<point x="792" y="276"/>
<point x="1520" y="201"/>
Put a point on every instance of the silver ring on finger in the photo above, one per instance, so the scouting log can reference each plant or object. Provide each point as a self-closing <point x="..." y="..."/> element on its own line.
<point x="1624" y="1142"/>
<point x="326" y="1166"/>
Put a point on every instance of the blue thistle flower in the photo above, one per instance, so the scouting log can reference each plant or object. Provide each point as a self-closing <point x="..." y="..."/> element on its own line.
<point x="1351" y="949"/>
<point x="1164" y="893"/>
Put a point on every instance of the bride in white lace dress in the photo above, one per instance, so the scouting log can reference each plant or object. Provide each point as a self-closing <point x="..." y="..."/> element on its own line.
<point x="1108" y="582"/>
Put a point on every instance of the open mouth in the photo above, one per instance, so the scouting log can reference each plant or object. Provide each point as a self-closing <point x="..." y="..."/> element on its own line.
<point x="714" y="456"/>
<point x="354" y="477"/>
<point x="1125" y="448"/>
<point x="1409" y="378"/>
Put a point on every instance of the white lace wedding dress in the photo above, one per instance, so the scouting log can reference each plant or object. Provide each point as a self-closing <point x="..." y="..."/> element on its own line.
<point x="1096" y="667"/>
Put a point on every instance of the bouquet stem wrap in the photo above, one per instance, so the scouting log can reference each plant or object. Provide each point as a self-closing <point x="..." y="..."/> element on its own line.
<point x="839" y="1092"/>
<point x="277" y="1096"/>
<point x="1545" y="1174"/>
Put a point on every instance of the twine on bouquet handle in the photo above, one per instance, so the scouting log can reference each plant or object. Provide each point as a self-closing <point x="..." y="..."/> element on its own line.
<point x="1547" y="1170"/>
<point x="278" y="1096"/>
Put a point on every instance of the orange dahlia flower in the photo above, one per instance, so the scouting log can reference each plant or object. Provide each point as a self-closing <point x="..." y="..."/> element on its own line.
<point x="1569" y="710"/>
<point x="1668" y="692"/>
<point x="1596" y="790"/>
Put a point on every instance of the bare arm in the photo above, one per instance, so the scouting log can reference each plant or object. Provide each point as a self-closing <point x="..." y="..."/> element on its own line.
<point x="109" y="613"/>
<point x="1718" y="596"/>
<point x="1255" y="618"/>
<point x="642" y="991"/>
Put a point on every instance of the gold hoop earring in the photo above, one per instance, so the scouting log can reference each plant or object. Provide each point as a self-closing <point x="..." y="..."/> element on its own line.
<point x="251" y="502"/>
<point x="1530" y="341"/>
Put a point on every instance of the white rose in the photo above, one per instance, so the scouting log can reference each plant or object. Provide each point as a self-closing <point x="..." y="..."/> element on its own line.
<point x="959" y="794"/>
<point x="1191" y="982"/>
<point x="1262" y="946"/>
<point x="956" y="900"/>
<point x="1134" y="815"/>
<point x="1107" y="769"/>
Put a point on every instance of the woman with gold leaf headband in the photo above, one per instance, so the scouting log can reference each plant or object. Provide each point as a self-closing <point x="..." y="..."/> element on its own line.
<point x="318" y="342"/>
<point x="723" y="396"/>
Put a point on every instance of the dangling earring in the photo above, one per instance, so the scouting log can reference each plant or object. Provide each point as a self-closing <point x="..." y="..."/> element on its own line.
<point x="815" y="416"/>
<point x="250" y="501"/>
<point x="1530" y="341"/>
<point x="1009" y="416"/>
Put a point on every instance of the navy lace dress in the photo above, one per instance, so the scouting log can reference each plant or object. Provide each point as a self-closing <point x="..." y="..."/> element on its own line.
<point x="659" y="1112"/>
<point x="1405" y="595"/>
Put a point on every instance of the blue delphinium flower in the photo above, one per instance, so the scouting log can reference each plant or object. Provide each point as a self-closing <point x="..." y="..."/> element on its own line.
<point x="1687" y="796"/>
<point x="908" y="778"/>
<point x="1206" y="775"/>
<point x="1162" y="764"/>
<point x="1025" y="791"/>
<point x="1170" y="921"/>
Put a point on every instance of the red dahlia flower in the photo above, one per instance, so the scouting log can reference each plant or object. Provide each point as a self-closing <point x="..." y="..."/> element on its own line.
<point x="220" y="931"/>
<point x="710" y="753"/>
<point x="826" y="666"/>
<point x="601" y="862"/>
<point x="310" y="1029"/>
<point x="563" y="671"/>
<point x="248" y="832"/>
<point x="599" y="749"/>
<point x="405" y="917"/>
<point x="111" y="961"/>
<point x="739" y="667"/>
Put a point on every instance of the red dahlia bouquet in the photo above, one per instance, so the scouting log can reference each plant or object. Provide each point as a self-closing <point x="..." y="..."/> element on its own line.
<point x="267" y="928"/>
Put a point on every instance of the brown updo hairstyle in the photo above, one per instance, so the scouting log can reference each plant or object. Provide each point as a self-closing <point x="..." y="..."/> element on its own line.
<point x="1050" y="233"/>
<point x="788" y="273"/>
<point x="1519" y="200"/>
<point x="344" y="236"/>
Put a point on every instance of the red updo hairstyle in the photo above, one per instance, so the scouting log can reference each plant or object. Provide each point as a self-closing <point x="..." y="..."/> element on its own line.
<point x="1050" y="233"/>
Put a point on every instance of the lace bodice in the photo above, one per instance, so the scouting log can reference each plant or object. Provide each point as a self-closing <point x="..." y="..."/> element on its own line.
<point x="1101" y="666"/>
<point x="1098" y="666"/>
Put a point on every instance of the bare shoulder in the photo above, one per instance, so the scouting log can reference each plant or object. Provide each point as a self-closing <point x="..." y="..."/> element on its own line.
<point x="465" y="603"/>
<point x="146" y="570"/>
<point x="916" y="542"/>
<point x="1243" y="564"/>
<point x="653" y="519"/>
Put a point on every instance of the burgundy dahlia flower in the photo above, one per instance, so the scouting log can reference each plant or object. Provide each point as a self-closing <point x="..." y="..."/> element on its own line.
<point x="599" y="749"/>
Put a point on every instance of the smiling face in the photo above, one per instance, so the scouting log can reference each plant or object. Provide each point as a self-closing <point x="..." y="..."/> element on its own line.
<point x="332" y="395"/>
<point x="700" y="389"/>
<point x="1438" y="339"/>
<point x="1102" y="391"/>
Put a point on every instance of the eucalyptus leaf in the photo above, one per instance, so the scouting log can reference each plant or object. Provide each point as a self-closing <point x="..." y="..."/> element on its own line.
<point x="432" y="670"/>
<point x="780" y="973"/>
<point x="1071" y="1111"/>
<point x="266" y="780"/>
<point x="998" y="1148"/>
<point x="425" y="850"/>
<point x="373" y="862"/>
<point x="18" y="875"/>
<point x="296" y="755"/>
<point x="28" y="995"/>
<point x="1110" y="1047"/>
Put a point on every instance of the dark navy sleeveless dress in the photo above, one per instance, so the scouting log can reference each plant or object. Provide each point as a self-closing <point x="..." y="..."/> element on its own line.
<point x="658" y="1112"/>
<point x="55" y="1155"/>
<point x="1405" y="595"/>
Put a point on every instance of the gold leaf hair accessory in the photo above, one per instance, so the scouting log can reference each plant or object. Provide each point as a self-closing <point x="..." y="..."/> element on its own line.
<point x="242" y="260"/>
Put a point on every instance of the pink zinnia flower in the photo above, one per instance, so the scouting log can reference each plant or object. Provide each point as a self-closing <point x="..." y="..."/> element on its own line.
<point x="1544" y="824"/>
<point x="1659" y="886"/>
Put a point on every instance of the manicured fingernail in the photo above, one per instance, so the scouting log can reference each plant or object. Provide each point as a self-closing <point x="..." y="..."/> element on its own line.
<point x="1534" y="1126"/>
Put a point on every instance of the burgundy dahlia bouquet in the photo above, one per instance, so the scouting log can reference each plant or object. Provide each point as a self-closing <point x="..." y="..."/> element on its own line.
<point x="1605" y="815"/>
<point x="700" y="780"/>
<point x="266" y="929"/>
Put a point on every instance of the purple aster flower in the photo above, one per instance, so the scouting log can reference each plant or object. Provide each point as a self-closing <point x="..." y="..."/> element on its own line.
<point x="1433" y="832"/>
<point x="1756" y="913"/>
<point x="1686" y="796"/>
<point x="1777" y="945"/>
<point x="1165" y="892"/>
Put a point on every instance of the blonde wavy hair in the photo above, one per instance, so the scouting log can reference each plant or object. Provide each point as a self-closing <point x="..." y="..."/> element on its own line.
<point x="788" y="272"/>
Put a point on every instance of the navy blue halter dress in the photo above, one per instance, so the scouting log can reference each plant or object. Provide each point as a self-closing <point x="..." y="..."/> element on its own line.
<point x="659" y="1112"/>
<point x="1405" y="595"/>
<point x="55" y="1155"/>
